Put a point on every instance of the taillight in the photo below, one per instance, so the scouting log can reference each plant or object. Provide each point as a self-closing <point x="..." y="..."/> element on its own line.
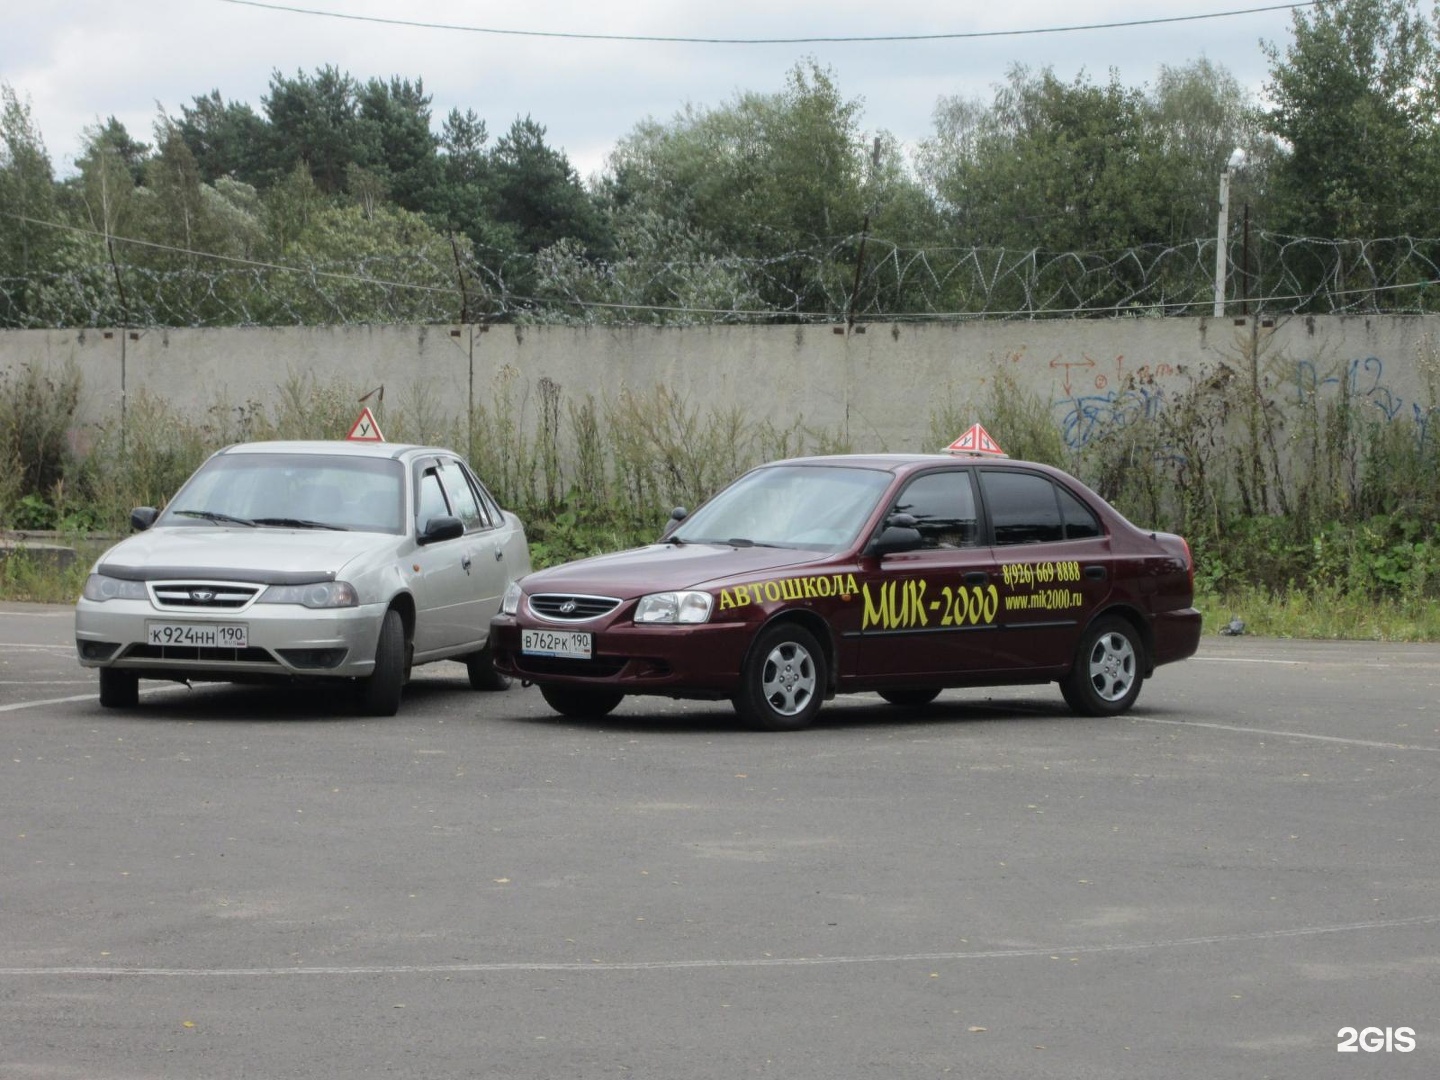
<point x="1189" y="565"/>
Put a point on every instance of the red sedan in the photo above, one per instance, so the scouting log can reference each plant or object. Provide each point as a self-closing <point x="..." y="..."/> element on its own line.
<point x="898" y="574"/>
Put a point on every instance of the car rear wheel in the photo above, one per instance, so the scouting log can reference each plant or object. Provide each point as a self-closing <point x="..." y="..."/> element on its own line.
<point x="580" y="701"/>
<point x="481" y="668"/>
<point x="380" y="691"/>
<point x="782" y="682"/>
<point x="911" y="699"/>
<point x="1109" y="668"/>
<point x="119" y="689"/>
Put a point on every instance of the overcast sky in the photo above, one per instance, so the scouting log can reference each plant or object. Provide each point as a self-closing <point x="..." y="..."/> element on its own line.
<point x="80" y="61"/>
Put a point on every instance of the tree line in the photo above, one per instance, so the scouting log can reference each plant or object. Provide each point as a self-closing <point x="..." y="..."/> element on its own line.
<point x="341" y="199"/>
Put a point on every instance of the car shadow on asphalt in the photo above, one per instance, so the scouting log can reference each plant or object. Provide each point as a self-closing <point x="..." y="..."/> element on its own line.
<point x="652" y="715"/>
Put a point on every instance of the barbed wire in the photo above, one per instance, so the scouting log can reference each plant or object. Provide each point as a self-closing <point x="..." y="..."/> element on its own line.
<point x="147" y="284"/>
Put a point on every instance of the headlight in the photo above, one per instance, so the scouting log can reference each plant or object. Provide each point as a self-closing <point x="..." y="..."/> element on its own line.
<point x="101" y="587"/>
<point x="510" y="602"/>
<point x="674" y="607"/>
<point x="318" y="594"/>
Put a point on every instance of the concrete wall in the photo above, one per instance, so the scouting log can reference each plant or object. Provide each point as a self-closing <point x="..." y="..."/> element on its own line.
<point x="878" y="387"/>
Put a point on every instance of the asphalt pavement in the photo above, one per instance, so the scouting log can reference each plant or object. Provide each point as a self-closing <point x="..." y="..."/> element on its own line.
<point x="237" y="882"/>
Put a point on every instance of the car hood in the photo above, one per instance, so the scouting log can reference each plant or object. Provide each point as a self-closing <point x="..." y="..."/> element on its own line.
<point x="627" y="574"/>
<point x="262" y="554"/>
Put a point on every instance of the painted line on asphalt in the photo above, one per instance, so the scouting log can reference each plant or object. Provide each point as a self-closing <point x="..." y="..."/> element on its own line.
<point x="753" y="962"/>
<point x="1248" y="660"/>
<point x="47" y="682"/>
<point x="1372" y="744"/>
<point x="46" y="701"/>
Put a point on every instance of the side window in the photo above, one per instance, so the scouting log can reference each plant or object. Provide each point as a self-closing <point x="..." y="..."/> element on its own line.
<point x="489" y="505"/>
<point x="432" y="499"/>
<point x="943" y="506"/>
<point x="1080" y="521"/>
<point x="1023" y="507"/>
<point x="463" y="502"/>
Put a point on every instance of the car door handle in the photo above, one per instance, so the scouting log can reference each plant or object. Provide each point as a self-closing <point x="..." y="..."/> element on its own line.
<point x="976" y="577"/>
<point x="1095" y="573"/>
<point x="465" y="562"/>
<point x="499" y="554"/>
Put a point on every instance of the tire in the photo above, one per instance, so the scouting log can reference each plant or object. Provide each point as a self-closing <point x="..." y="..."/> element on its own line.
<point x="481" y="668"/>
<point x="909" y="699"/>
<point x="783" y="680"/>
<point x="581" y="701"/>
<point x="1109" y="669"/>
<point x="379" y="693"/>
<point x="119" y="689"/>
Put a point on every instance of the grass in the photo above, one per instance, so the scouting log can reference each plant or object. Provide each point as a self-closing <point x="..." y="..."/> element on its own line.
<point x="1322" y="614"/>
<point x="1336" y="538"/>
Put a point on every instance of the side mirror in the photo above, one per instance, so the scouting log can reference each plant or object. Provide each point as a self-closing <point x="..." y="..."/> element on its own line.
<point x="899" y="534"/>
<point x="677" y="515"/>
<point x="142" y="517"/>
<point x="443" y="527"/>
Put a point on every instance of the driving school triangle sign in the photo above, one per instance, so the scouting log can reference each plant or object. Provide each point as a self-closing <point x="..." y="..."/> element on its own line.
<point x="975" y="441"/>
<point x="365" y="429"/>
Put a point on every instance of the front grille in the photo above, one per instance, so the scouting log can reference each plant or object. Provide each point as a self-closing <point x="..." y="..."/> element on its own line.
<point x="203" y="595"/>
<point x="560" y="607"/>
<point x="200" y="654"/>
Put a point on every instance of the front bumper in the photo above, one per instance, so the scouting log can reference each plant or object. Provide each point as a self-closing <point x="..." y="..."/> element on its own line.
<point x="284" y="641"/>
<point x="701" y="660"/>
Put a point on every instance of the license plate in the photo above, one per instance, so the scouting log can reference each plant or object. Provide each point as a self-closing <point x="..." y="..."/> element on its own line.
<point x="570" y="643"/>
<point x="200" y="635"/>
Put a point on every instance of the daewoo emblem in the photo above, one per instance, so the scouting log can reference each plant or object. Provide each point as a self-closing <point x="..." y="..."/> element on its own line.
<point x="568" y="607"/>
<point x="202" y="596"/>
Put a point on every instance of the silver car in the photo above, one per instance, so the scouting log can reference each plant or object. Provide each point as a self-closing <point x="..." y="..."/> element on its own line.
<point x="278" y="561"/>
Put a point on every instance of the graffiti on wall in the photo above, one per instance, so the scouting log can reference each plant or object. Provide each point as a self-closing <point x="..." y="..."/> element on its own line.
<point x="1105" y="397"/>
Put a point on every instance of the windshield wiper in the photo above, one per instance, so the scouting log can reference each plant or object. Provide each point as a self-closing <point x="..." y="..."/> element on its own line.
<point x="299" y="523"/>
<point x="212" y="515"/>
<point x="674" y="540"/>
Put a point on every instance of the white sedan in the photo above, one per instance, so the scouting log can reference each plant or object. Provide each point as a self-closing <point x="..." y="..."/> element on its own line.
<point x="280" y="561"/>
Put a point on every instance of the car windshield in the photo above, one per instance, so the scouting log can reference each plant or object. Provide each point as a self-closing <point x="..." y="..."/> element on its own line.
<point x="819" y="507"/>
<point x="295" y="491"/>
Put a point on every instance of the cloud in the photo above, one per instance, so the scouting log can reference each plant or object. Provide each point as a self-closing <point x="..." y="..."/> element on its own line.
<point x="80" y="61"/>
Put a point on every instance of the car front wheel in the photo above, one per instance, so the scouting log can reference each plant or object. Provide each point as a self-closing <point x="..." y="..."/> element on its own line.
<point x="380" y="691"/>
<point x="782" y="683"/>
<point x="480" y="667"/>
<point x="580" y="701"/>
<point x="1109" y="668"/>
<point x="119" y="689"/>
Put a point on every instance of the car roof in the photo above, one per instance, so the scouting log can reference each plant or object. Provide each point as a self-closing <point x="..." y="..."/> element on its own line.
<point x="341" y="447"/>
<point x="908" y="463"/>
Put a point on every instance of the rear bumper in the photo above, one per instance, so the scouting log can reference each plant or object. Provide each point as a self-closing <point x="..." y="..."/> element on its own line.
<point x="1176" y="634"/>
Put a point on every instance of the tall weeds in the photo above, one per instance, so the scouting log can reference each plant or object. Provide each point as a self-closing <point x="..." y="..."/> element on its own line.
<point x="1277" y="488"/>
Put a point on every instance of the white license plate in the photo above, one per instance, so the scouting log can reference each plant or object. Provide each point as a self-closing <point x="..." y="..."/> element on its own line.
<point x="200" y="635"/>
<point x="571" y="643"/>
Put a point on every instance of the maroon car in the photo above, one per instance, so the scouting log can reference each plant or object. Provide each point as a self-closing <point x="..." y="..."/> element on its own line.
<point x="898" y="574"/>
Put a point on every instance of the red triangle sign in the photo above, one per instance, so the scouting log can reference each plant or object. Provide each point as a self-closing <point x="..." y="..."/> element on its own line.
<point x="365" y="429"/>
<point x="975" y="441"/>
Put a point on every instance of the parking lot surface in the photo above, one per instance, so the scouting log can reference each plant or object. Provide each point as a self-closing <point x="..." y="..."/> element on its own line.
<point x="229" y="882"/>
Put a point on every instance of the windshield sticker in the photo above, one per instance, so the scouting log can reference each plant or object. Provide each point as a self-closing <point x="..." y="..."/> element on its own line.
<point x="806" y="588"/>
